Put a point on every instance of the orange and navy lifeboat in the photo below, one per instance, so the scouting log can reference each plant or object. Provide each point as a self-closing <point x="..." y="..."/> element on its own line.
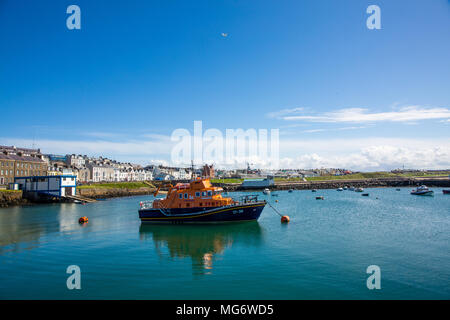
<point x="199" y="201"/>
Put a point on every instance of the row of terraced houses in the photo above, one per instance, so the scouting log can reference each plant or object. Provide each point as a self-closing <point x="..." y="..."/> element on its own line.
<point x="18" y="162"/>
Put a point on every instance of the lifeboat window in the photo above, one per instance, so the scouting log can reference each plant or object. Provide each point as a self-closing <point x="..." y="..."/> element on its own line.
<point x="180" y="196"/>
<point x="185" y="195"/>
<point x="209" y="193"/>
<point x="197" y="194"/>
<point x="204" y="193"/>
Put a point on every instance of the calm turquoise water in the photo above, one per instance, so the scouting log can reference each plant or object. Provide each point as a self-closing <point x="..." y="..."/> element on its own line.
<point x="322" y="254"/>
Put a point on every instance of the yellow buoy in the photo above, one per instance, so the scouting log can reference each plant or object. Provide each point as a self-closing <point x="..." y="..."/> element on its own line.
<point x="285" y="219"/>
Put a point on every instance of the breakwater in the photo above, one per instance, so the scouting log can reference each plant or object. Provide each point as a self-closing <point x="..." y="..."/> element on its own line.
<point x="334" y="184"/>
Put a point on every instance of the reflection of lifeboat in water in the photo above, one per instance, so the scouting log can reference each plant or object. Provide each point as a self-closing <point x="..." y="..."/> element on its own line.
<point x="422" y="191"/>
<point x="199" y="201"/>
<point x="201" y="245"/>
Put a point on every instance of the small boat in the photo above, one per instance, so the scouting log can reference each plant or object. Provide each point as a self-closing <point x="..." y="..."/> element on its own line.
<point x="290" y="190"/>
<point x="359" y="190"/>
<point x="339" y="189"/>
<point x="398" y="189"/>
<point x="422" y="191"/>
<point x="365" y="194"/>
<point x="446" y="191"/>
<point x="320" y="198"/>
<point x="345" y="188"/>
<point x="313" y="190"/>
<point x="266" y="191"/>
<point x="199" y="202"/>
<point x="351" y="188"/>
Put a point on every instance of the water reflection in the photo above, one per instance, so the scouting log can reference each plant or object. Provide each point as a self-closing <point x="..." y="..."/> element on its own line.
<point x="201" y="243"/>
<point x="22" y="228"/>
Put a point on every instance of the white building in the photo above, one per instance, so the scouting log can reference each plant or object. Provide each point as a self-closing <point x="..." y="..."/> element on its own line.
<point x="75" y="160"/>
<point x="101" y="173"/>
<point x="58" y="186"/>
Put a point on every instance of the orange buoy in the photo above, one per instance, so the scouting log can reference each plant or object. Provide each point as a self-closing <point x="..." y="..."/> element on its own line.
<point x="83" y="219"/>
<point x="285" y="219"/>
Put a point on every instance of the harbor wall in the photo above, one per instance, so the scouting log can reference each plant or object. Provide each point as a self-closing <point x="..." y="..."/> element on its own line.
<point x="334" y="184"/>
<point x="103" y="193"/>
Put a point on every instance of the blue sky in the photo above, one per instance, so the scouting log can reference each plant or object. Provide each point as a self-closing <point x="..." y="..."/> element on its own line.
<point x="341" y="94"/>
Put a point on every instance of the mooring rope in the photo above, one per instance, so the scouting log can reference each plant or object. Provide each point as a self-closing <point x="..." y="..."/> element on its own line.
<point x="274" y="209"/>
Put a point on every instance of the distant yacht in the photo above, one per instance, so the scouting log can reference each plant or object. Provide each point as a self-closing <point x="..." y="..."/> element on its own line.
<point x="339" y="189"/>
<point x="359" y="190"/>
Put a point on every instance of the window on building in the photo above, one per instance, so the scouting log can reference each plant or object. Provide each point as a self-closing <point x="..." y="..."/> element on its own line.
<point x="186" y="195"/>
<point x="197" y="194"/>
<point x="209" y="193"/>
<point x="204" y="193"/>
<point x="180" y="196"/>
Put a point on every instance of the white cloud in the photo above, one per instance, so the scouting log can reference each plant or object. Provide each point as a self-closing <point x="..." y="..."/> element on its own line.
<point x="96" y="147"/>
<point x="366" y="153"/>
<point x="314" y="130"/>
<point x="355" y="115"/>
<point x="284" y="112"/>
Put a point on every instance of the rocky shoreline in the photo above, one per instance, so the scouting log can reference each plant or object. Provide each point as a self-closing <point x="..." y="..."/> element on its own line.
<point x="12" y="198"/>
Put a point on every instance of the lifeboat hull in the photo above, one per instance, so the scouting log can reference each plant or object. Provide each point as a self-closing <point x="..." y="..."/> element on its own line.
<point x="235" y="213"/>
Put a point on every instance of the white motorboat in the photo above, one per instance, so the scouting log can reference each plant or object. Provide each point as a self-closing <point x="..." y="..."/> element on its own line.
<point x="266" y="191"/>
<point x="422" y="191"/>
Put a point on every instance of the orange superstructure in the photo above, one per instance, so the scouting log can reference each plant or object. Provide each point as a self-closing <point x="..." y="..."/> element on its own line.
<point x="199" y="193"/>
